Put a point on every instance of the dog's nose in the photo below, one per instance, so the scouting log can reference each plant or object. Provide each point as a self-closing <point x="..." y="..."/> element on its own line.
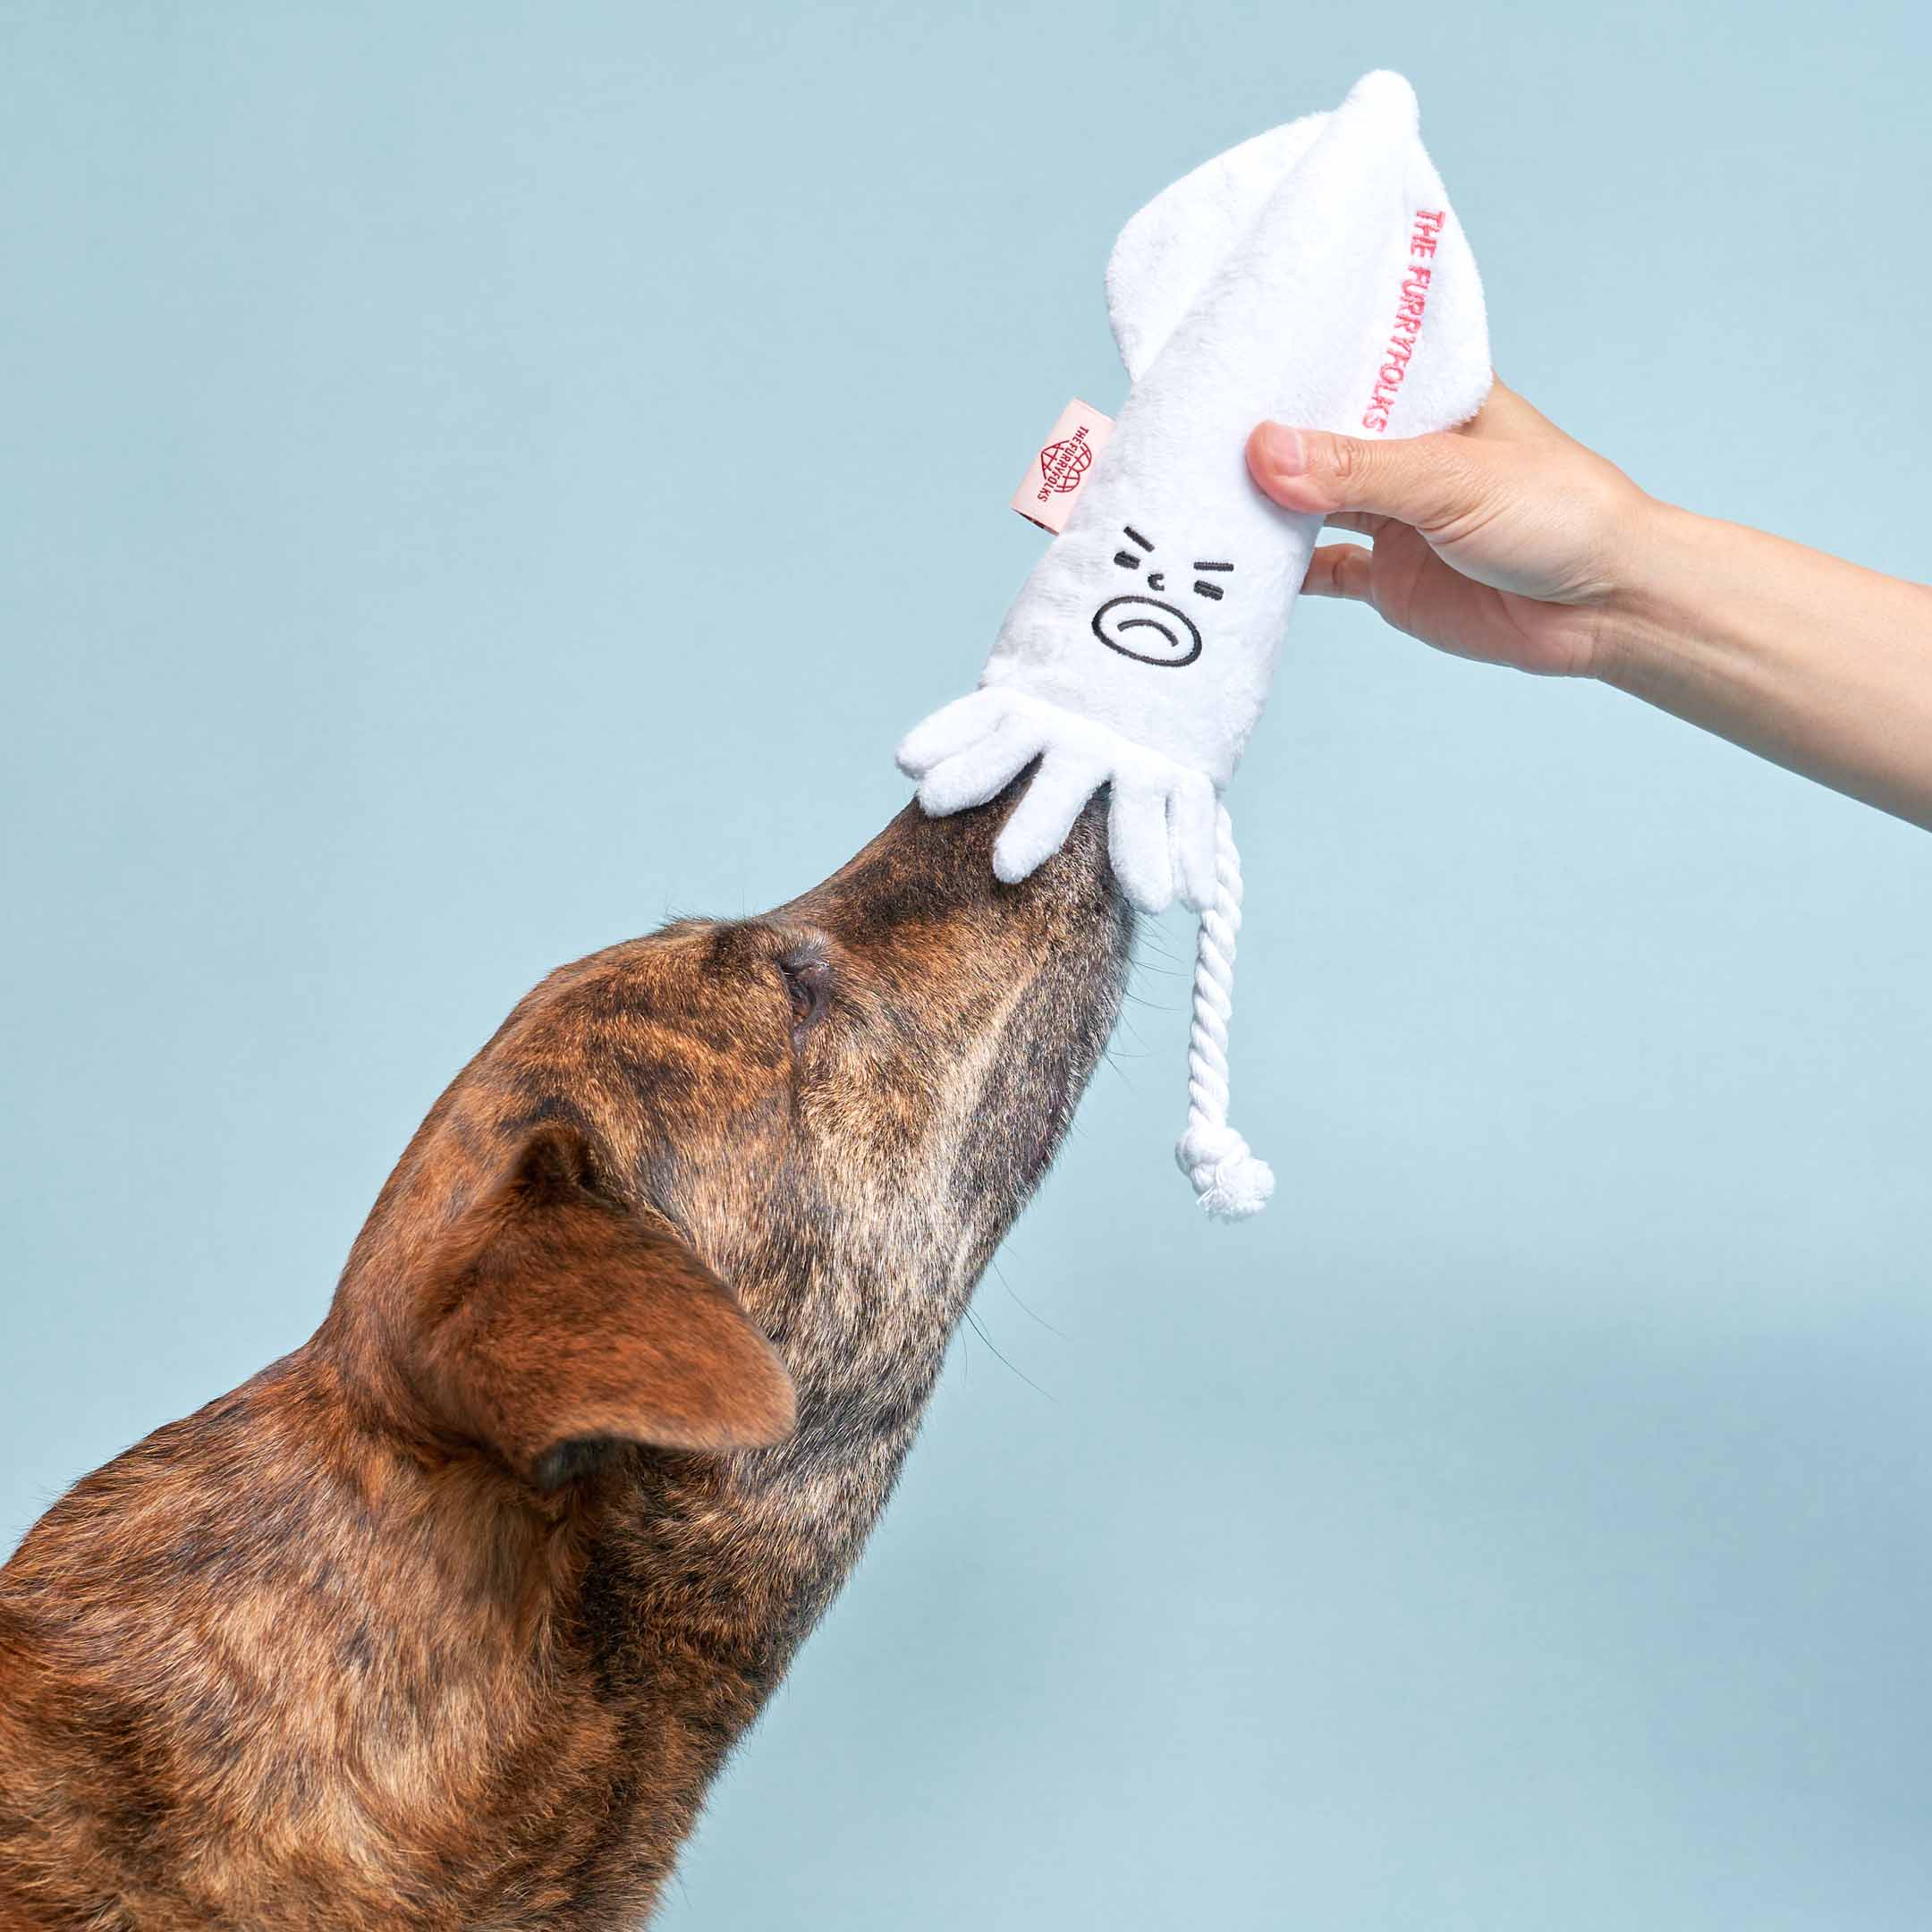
<point x="1157" y="582"/>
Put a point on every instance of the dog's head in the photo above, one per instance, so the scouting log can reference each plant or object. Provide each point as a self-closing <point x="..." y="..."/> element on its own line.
<point x="464" y="1600"/>
<point x="741" y="1176"/>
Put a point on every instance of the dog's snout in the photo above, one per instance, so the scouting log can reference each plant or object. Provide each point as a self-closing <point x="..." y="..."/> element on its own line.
<point x="921" y="873"/>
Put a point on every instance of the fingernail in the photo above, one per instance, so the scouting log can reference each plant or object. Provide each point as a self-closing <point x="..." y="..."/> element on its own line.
<point x="1282" y="449"/>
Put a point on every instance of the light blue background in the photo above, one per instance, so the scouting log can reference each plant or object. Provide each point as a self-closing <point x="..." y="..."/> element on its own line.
<point x="477" y="477"/>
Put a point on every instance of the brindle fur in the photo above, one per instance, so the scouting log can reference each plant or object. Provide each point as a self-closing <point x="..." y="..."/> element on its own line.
<point x="447" y="1620"/>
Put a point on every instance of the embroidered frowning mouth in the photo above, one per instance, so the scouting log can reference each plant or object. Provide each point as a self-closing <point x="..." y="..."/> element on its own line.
<point x="1148" y="630"/>
<point x="1145" y="629"/>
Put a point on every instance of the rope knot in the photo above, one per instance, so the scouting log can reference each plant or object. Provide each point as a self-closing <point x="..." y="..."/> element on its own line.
<point x="1228" y="1179"/>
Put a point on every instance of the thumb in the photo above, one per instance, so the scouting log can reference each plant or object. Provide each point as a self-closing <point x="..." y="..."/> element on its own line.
<point x="1426" y="481"/>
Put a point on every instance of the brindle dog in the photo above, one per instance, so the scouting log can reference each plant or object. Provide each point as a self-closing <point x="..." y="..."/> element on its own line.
<point x="447" y="1620"/>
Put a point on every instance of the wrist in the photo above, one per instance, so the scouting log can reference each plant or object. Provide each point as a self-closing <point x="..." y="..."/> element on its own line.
<point x="1645" y="609"/>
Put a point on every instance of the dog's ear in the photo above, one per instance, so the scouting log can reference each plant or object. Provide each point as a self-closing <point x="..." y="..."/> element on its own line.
<point x="555" y="1322"/>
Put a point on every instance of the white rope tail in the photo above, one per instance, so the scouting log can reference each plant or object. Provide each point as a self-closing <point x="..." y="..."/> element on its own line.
<point x="1230" y="1180"/>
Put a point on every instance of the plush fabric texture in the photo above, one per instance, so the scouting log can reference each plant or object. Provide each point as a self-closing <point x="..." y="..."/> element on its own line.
<point x="1279" y="280"/>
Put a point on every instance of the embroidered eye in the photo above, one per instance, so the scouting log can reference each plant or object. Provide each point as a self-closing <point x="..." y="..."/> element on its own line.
<point x="1202" y="588"/>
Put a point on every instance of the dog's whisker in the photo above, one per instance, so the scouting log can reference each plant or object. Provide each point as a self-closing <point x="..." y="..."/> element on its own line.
<point x="1023" y="1309"/>
<point x="980" y="1331"/>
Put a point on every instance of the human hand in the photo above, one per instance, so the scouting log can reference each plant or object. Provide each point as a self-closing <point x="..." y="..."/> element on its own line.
<point x="1506" y="541"/>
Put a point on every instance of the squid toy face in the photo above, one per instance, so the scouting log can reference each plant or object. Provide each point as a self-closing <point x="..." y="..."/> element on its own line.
<point x="1316" y="275"/>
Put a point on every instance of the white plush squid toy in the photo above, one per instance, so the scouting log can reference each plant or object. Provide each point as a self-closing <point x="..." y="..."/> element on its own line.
<point x="1314" y="275"/>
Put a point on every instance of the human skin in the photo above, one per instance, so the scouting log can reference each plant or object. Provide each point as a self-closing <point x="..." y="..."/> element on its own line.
<point x="1508" y="542"/>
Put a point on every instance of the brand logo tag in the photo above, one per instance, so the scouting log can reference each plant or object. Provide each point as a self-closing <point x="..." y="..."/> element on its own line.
<point x="1064" y="463"/>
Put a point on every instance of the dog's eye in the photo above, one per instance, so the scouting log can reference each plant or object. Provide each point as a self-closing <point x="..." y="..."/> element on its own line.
<point x="807" y="978"/>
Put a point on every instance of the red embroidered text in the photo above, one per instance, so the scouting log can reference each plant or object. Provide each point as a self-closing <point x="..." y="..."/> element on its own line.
<point x="1402" y="338"/>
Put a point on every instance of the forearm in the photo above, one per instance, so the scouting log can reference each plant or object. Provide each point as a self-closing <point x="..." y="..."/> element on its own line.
<point x="1803" y="658"/>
